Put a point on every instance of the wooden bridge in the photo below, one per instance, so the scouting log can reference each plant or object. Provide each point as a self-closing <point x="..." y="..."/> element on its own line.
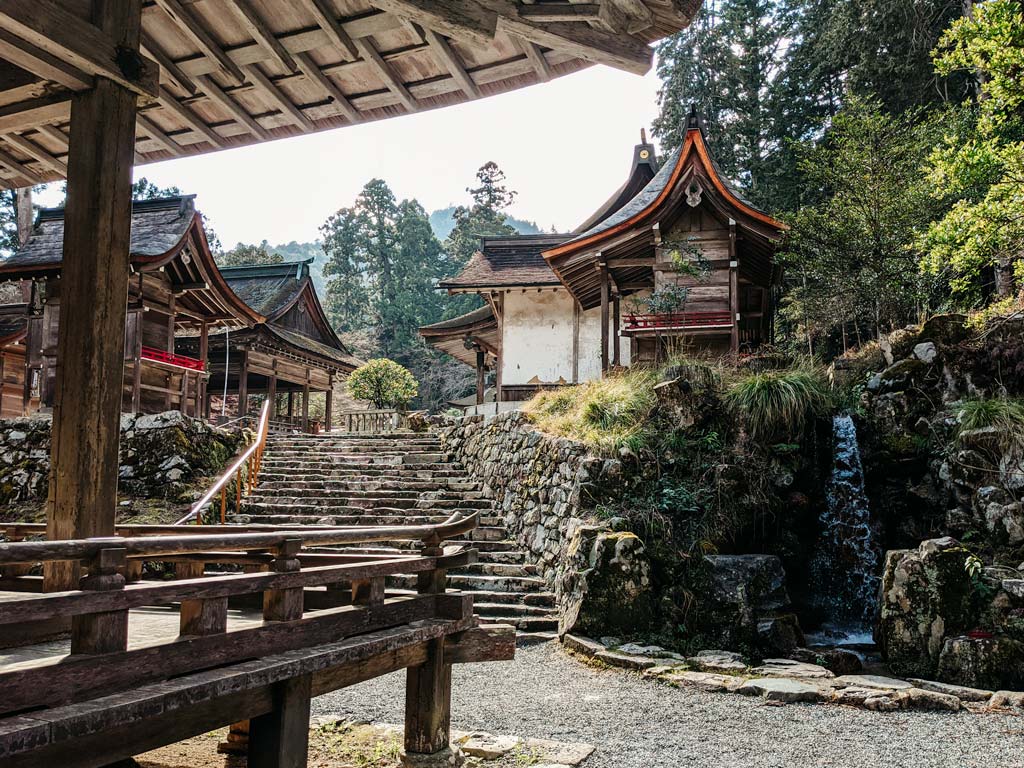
<point x="325" y="622"/>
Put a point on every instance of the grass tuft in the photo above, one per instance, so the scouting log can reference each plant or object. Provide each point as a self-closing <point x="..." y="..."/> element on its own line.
<point x="1003" y="415"/>
<point x="777" y="405"/>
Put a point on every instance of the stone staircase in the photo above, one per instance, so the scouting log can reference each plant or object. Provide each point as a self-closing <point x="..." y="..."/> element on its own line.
<point x="400" y="478"/>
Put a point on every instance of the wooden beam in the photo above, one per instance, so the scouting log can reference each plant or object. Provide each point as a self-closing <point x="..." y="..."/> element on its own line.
<point x="536" y="58"/>
<point x="31" y="113"/>
<point x="616" y="323"/>
<point x="327" y="21"/>
<point x="55" y="134"/>
<point x="175" y="76"/>
<point x="447" y="57"/>
<point x="233" y="108"/>
<point x="94" y="289"/>
<point x="23" y="217"/>
<point x="42" y="64"/>
<point x="469" y="21"/>
<point x="37" y="152"/>
<point x="262" y="34"/>
<point x="271" y="91"/>
<point x="615" y="50"/>
<point x="560" y="11"/>
<point x="10" y="162"/>
<point x="394" y="83"/>
<point x="197" y="33"/>
<point x="47" y="25"/>
<point x="154" y="132"/>
<point x="604" y="318"/>
<point x="309" y="68"/>
<point x="193" y="121"/>
<point x="734" y="298"/>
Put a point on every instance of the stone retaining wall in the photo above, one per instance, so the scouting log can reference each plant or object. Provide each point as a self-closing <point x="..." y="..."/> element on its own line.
<point x="161" y="454"/>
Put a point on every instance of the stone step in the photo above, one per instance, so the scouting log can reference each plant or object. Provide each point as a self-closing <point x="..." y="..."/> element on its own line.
<point x="484" y="608"/>
<point x="473" y="582"/>
<point x="503" y="547"/>
<point x="349" y="520"/>
<point x="391" y="495"/>
<point x="449" y="484"/>
<point x="498" y="569"/>
<point x="251" y="508"/>
<point x="430" y="463"/>
<point x="269" y="474"/>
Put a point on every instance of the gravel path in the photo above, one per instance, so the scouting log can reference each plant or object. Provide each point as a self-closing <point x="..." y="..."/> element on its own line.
<point x="637" y="723"/>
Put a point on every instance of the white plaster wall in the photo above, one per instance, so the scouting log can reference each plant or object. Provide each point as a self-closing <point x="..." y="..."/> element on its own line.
<point x="537" y="339"/>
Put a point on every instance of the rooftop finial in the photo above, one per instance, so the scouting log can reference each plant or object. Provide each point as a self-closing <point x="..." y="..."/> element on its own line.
<point x="643" y="136"/>
<point x="693" y="119"/>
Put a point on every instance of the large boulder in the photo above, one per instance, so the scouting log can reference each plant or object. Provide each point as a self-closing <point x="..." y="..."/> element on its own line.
<point x="605" y="587"/>
<point x="746" y="606"/>
<point x="926" y="595"/>
<point x="982" y="662"/>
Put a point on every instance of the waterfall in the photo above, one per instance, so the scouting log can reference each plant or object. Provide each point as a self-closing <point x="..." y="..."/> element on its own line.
<point x="846" y="563"/>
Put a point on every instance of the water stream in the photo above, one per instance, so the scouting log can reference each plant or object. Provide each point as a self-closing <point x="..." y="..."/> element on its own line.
<point x="847" y="561"/>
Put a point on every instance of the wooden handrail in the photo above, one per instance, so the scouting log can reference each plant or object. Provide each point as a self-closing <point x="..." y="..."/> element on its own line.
<point x="253" y="455"/>
<point x="87" y="549"/>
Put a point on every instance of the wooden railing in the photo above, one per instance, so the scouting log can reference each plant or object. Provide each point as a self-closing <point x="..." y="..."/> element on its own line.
<point x="676" y="320"/>
<point x="387" y="420"/>
<point x="245" y="470"/>
<point x="107" y="700"/>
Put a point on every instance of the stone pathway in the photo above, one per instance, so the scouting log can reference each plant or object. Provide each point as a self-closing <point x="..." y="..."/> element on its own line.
<point x="636" y="722"/>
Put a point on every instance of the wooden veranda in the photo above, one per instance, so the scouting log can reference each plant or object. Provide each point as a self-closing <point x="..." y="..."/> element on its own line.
<point x="90" y="88"/>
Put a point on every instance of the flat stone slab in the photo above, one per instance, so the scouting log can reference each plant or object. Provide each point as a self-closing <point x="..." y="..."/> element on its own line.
<point x="653" y="651"/>
<point x="582" y="645"/>
<point x="488" y="746"/>
<point x="878" y="682"/>
<point x="799" y="670"/>
<point x="782" y="689"/>
<point x="625" y="660"/>
<point x="1008" y="699"/>
<point x="962" y="692"/>
<point x="717" y="661"/>
<point x="705" y="681"/>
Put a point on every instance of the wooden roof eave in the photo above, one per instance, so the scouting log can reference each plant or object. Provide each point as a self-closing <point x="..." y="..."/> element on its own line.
<point x="308" y="293"/>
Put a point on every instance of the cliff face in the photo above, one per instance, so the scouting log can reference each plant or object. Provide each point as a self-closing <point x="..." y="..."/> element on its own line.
<point x="943" y="438"/>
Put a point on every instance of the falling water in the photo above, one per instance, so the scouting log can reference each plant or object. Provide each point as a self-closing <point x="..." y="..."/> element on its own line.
<point x="845" y="568"/>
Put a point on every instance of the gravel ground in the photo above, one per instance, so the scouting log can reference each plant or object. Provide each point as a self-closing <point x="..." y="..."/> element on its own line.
<point x="637" y="723"/>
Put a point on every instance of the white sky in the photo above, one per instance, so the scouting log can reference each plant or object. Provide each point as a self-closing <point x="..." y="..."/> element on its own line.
<point x="565" y="146"/>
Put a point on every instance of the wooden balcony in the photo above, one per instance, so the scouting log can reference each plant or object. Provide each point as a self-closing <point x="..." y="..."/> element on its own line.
<point x="675" y="322"/>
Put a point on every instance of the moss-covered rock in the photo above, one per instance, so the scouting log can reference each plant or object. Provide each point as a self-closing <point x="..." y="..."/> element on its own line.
<point x="982" y="662"/>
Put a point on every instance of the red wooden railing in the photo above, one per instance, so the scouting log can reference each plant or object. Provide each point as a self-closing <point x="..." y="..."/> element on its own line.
<point x="678" y="320"/>
<point x="162" y="356"/>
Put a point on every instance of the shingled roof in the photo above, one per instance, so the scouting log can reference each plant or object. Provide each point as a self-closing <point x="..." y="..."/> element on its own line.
<point x="158" y="227"/>
<point x="270" y="289"/>
<point x="508" y="261"/>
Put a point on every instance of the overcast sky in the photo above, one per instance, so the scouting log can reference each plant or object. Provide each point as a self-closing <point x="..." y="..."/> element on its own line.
<point x="565" y="146"/>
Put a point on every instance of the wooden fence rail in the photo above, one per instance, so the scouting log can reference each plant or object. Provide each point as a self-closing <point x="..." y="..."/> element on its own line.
<point x="382" y="421"/>
<point x="107" y="700"/>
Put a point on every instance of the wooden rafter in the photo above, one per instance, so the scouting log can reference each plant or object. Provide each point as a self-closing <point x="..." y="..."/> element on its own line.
<point x="372" y="57"/>
<point x="263" y="84"/>
<point x="233" y="108"/>
<point x="35" y="151"/>
<point x="470" y="21"/>
<point x="262" y="34"/>
<point x="198" y="33"/>
<point x="620" y="51"/>
<point x="329" y="23"/>
<point x="47" y="26"/>
<point x="41" y="63"/>
<point x="536" y="58"/>
<point x="560" y="11"/>
<point x="189" y="118"/>
<point x="309" y="68"/>
<point x="450" y="60"/>
<point x="154" y="132"/>
<point x="11" y="163"/>
<point x="172" y="71"/>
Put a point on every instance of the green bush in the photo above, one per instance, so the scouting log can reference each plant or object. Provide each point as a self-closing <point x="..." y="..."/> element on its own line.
<point x="384" y="383"/>
<point x="606" y="415"/>
<point x="776" y="406"/>
<point x="1005" y="416"/>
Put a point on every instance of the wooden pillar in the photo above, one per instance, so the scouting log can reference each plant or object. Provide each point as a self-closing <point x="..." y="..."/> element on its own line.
<point x="243" y="384"/>
<point x="280" y="738"/>
<point x="202" y="404"/>
<point x="604" y="317"/>
<point x="105" y="632"/>
<point x="305" y="403"/>
<point x="734" y="297"/>
<point x="329" y="403"/>
<point x="94" y="289"/>
<point x="576" y="312"/>
<point x="291" y="406"/>
<point x="499" y="311"/>
<point x="616" y="342"/>
<point x="24" y="213"/>
<point x="480" y="374"/>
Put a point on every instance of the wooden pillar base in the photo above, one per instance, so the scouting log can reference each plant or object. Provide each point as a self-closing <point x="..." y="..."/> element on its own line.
<point x="448" y="757"/>
<point x="280" y="738"/>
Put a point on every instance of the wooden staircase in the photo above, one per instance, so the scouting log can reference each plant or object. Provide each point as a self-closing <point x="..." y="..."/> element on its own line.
<point x="399" y="478"/>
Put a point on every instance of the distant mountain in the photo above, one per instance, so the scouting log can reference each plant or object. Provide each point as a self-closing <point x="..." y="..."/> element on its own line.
<point x="443" y="222"/>
<point x="294" y="251"/>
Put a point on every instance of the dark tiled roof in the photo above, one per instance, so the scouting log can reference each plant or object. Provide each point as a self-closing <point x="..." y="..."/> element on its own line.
<point x="642" y="170"/>
<point x="508" y="261"/>
<point x="455" y="324"/>
<point x="311" y="345"/>
<point x="158" y="226"/>
<point x="268" y="288"/>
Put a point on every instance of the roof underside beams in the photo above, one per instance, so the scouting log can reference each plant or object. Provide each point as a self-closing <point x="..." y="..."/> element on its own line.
<point x="216" y="75"/>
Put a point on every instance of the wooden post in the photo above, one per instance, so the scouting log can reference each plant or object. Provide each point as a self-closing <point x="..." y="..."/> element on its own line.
<point x="616" y="343"/>
<point x="243" y="384"/>
<point x="24" y="215"/>
<point x="272" y="390"/>
<point x="428" y="687"/>
<point x="202" y="406"/>
<point x="480" y="374"/>
<point x="576" y="311"/>
<point x="291" y="406"/>
<point x="499" y="311"/>
<point x="170" y="348"/>
<point x="329" y="403"/>
<point x="105" y="632"/>
<point x="734" y="298"/>
<point x="604" y="317"/>
<point x="305" y="403"/>
<point x="94" y="289"/>
<point x="280" y="738"/>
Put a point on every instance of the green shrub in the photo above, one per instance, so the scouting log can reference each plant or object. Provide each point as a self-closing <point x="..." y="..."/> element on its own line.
<point x="606" y="415"/>
<point x="777" y="405"/>
<point x="384" y="383"/>
<point x="1005" y="416"/>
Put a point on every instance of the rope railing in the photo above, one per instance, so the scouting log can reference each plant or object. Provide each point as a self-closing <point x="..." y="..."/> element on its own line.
<point x="244" y="470"/>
